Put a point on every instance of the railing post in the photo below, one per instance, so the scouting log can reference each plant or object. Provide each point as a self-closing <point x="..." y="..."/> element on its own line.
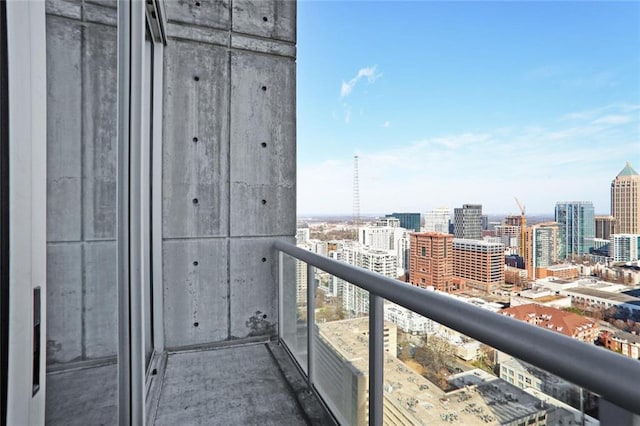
<point x="311" y="319"/>
<point x="376" y="359"/>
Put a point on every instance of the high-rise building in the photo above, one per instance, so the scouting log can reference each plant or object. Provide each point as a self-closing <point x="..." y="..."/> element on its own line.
<point x="384" y="262"/>
<point x="386" y="234"/>
<point x="468" y="221"/>
<point x="479" y="263"/>
<point x="393" y="222"/>
<point x="605" y="226"/>
<point x="542" y="248"/>
<point x="513" y="220"/>
<point x="625" y="200"/>
<point x="624" y="247"/>
<point x="301" y="283"/>
<point x="509" y="235"/>
<point x="410" y="221"/>
<point x="437" y="220"/>
<point x="576" y="223"/>
<point x="431" y="260"/>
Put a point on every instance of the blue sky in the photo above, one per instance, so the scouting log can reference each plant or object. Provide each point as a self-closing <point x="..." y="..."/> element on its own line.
<point x="465" y="102"/>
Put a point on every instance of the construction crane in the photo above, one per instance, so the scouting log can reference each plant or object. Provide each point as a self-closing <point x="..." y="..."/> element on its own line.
<point x="523" y="226"/>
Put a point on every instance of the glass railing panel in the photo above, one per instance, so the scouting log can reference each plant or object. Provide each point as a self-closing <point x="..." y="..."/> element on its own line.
<point x="439" y="376"/>
<point x="294" y="308"/>
<point x="341" y="350"/>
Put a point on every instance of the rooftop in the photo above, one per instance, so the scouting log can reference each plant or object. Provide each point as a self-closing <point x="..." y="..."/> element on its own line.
<point x="554" y="319"/>
<point x="627" y="171"/>
<point x="481" y="399"/>
<point x="616" y="297"/>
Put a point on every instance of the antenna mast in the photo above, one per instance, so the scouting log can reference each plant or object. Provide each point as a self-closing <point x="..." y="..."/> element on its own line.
<point x="356" y="194"/>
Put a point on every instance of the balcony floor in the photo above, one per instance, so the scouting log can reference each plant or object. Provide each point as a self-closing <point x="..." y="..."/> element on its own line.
<point x="254" y="384"/>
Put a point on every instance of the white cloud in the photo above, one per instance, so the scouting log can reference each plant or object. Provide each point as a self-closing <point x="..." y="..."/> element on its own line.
<point x="369" y="73"/>
<point x="386" y="124"/>
<point x="592" y="114"/>
<point x="613" y="119"/>
<point x="539" y="164"/>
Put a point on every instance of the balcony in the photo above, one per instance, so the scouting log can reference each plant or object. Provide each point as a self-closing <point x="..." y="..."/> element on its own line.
<point x="162" y="269"/>
<point x="342" y="365"/>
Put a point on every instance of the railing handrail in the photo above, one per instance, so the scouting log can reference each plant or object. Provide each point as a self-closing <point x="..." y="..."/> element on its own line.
<point x="610" y="375"/>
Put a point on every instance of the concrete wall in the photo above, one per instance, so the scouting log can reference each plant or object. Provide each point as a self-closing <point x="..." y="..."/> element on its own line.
<point x="81" y="180"/>
<point x="229" y="81"/>
<point x="228" y="162"/>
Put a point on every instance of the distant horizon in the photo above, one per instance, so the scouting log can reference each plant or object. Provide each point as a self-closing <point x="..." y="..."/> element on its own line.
<point x="376" y="215"/>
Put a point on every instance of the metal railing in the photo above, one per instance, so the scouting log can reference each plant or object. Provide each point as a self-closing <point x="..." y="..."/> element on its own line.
<point x="615" y="378"/>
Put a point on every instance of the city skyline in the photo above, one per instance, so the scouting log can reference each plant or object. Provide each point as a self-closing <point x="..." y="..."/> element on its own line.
<point x="457" y="103"/>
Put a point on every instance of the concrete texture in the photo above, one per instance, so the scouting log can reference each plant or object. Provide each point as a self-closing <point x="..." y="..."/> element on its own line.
<point x="228" y="171"/>
<point x="242" y="385"/>
<point x="100" y="13"/>
<point x="64" y="301"/>
<point x="269" y="19"/>
<point x="195" y="170"/>
<point x="262" y="90"/>
<point x="254" y="275"/>
<point x="213" y="14"/>
<point x="241" y="169"/>
<point x="83" y="396"/>
<point x="234" y="386"/>
<point x="64" y="124"/>
<point x="196" y="296"/>
<point x="99" y="137"/>
<point x="81" y="181"/>
<point x="100" y="316"/>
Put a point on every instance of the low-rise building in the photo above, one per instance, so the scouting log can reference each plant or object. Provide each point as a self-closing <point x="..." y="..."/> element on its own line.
<point x="628" y="344"/>
<point x="541" y="296"/>
<point x="563" y="272"/>
<point x="599" y="299"/>
<point x="408" y="321"/>
<point x="567" y="323"/>
<point x="524" y="375"/>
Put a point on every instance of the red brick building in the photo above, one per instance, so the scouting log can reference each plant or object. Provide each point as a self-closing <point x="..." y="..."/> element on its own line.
<point x="627" y="344"/>
<point x="567" y="323"/>
<point x="431" y="261"/>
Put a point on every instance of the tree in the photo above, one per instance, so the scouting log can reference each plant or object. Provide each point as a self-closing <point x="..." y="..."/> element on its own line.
<point x="436" y="356"/>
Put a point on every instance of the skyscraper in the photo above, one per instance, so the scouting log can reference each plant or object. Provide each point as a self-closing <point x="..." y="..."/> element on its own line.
<point x="625" y="201"/>
<point x="437" y="220"/>
<point x="431" y="260"/>
<point x="468" y="221"/>
<point x="541" y="248"/>
<point x="410" y="221"/>
<point x="576" y="223"/>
